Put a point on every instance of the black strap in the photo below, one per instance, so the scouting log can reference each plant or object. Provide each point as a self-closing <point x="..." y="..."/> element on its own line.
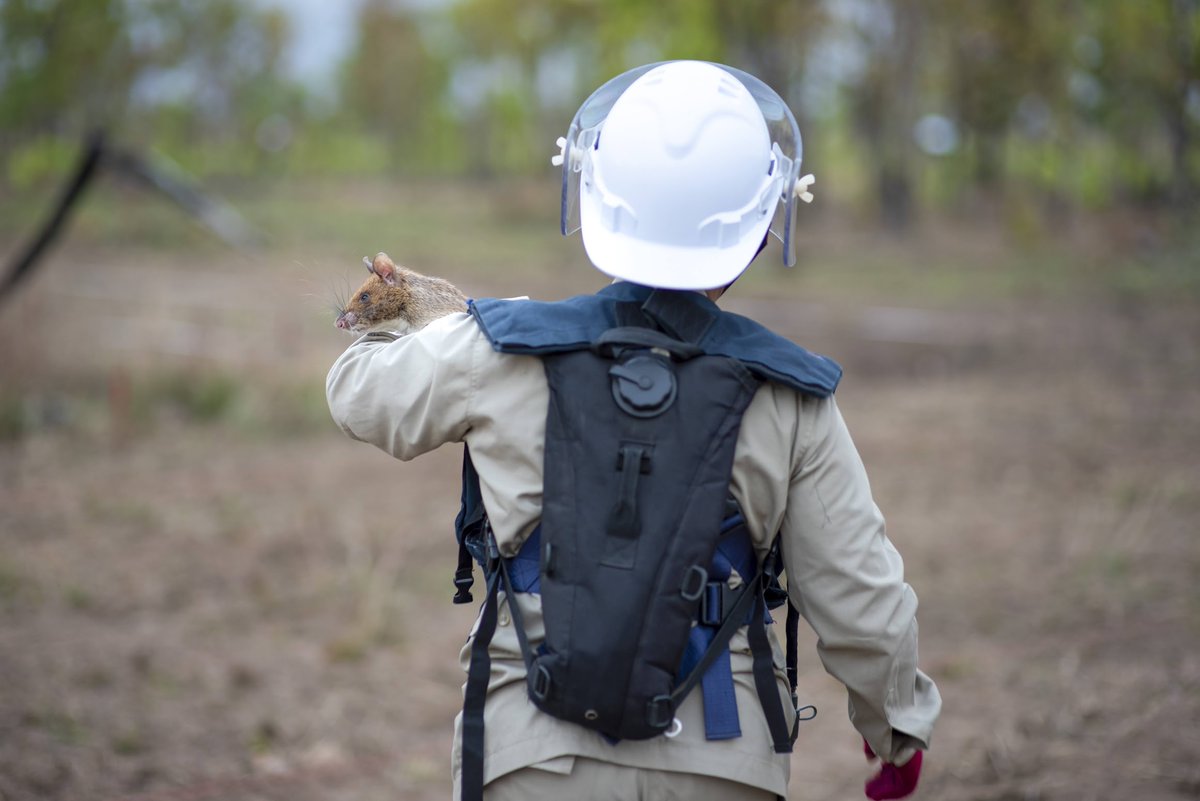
<point x="470" y="528"/>
<point x="764" y="679"/>
<point x="632" y="461"/>
<point x="616" y="339"/>
<point x="676" y="314"/>
<point x="792" y="627"/>
<point x="475" y="695"/>
<point x="464" y="576"/>
<point x="518" y="619"/>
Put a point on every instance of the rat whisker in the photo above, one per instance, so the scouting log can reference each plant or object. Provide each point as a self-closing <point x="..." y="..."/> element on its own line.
<point x="341" y="296"/>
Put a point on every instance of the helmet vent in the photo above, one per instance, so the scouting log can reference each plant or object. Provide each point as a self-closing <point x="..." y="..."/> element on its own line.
<point x="730" y="86"/>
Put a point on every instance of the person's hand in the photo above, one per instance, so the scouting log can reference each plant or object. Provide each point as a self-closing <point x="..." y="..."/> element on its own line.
<point x="893" y="781"/>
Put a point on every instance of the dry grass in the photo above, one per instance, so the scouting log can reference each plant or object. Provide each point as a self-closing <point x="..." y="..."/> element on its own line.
<point x="207" y="592"/>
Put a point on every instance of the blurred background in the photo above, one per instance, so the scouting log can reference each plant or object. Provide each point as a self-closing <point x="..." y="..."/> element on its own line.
<point x="207" y="591"/>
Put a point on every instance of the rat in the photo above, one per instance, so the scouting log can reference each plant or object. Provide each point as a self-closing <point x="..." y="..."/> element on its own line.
<point x="397" y="299"/>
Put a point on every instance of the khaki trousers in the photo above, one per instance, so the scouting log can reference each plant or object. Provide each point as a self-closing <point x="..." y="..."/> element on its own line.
<point x="592" y="780"/>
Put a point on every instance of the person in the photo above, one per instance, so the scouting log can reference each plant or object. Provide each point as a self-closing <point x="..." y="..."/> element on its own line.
<point x="676" y="174"/>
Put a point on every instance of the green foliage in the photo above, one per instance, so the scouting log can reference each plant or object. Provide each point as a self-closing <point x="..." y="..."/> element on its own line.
<point x="13" y="422"/>
<point x="269" y="407"/>
<point x="39" y="162"/>
<point x="1149" y="64"/>
<point x="393" y="84"/>
<point x="152" y="68"/>
<point x="1085" y="104"/>
<point x="129" y="743"/>
<point x="59" y="62"/>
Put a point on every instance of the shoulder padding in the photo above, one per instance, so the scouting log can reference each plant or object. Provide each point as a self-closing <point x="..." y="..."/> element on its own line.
<point x="532" y="327"/>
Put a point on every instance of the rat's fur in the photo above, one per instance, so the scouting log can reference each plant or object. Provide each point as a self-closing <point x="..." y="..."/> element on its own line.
<point x="398" y="300"/>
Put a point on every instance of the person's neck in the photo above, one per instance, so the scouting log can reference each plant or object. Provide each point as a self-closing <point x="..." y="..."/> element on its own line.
<point x="711" y="294"/>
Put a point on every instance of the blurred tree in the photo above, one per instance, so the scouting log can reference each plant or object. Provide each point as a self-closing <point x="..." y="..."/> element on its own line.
<point x="1082" y="100"/>
<point x="532" y="61"/>
<point x="395" y="85"/>
<point x="999" y="52"/>
<point x="511" y="48"/>
<point x="1091" y="101"/>
<point x="59" y="62"/>
<point x="771" y="40"/>
<point x="1096" y="94"/>
<point x="199" y="68"/>
<point x="1145" y="59"/>
<point x="884" y="103"/>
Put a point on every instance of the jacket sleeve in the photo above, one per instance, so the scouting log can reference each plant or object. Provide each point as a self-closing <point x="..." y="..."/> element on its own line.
<point x="847" y="579"/>
<point x="410" y="394"/>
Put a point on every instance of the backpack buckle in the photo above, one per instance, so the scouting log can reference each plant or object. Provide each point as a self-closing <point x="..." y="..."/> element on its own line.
<point x="539" y="685"/>
<point x="694" y="582"/>
<point x="463" y="581"/>
<point x="712" y="604"/>
<point x="659" y="712"/>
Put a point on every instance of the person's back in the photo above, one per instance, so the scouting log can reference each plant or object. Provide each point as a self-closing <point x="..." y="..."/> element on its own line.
<point x="479" y="378"/>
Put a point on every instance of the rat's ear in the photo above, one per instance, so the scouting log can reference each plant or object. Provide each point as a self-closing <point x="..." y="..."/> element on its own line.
<point x="385" y="268"/>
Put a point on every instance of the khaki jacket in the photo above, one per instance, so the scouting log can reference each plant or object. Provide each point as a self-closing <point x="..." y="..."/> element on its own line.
<point x="796" y="471"/>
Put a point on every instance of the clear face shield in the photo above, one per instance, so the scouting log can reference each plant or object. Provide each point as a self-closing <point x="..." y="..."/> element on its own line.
<point x="781" y="125"/>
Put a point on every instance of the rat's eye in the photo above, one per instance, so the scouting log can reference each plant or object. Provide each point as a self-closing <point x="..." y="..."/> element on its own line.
<point x="364" y="297"/>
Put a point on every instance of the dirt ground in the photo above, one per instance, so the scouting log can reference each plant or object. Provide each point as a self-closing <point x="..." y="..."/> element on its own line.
<point x="207" y="592"/>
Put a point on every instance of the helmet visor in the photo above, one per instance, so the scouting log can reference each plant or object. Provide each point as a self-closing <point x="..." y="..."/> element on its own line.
<point x="781" y="125"/>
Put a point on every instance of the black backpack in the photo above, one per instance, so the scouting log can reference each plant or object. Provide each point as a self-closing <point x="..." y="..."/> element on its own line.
<point x="640" y="437"/>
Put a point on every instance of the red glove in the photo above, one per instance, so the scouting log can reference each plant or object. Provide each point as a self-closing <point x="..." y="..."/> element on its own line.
<point x="893" y="781"/>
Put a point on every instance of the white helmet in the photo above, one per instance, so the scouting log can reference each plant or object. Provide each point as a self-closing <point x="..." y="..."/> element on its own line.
<point x="676" y="174"/>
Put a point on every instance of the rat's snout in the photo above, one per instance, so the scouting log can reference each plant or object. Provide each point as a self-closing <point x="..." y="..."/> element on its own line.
<point x="346" y="320"/>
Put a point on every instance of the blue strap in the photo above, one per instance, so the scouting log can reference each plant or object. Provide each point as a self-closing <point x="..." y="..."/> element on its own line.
<point x="736" y="551"/>
<point x="721" y="720"/>
<point x="523" y="569"/>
